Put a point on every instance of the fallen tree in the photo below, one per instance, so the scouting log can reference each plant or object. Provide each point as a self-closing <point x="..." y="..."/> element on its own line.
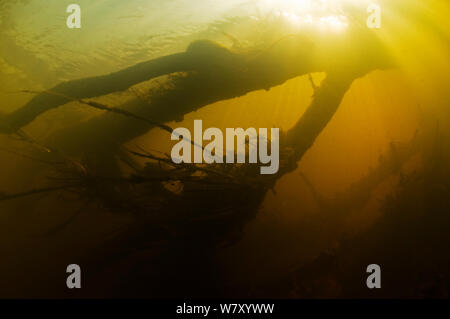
<point x="230" y="195"/>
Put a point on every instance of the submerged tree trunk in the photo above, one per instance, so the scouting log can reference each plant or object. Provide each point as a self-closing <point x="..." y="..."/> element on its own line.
<point x="217" y="74"/>
<point x="194" y="224"/>
<point x="204" y="74"/>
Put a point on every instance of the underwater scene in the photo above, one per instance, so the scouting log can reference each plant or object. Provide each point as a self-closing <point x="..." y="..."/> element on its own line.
<point x="293" y="149"/>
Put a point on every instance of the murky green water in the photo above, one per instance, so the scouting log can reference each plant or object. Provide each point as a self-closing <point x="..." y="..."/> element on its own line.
<point x="38" y="51"/>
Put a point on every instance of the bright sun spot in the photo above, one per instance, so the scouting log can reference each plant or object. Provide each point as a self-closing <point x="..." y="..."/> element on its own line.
<point x="322" y="14"/>
<point x="334" y="23"/>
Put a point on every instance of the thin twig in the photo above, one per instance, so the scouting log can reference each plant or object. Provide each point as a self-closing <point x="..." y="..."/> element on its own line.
<point x="196" y="167"/>
<point x="314" y="86"/>
<point x="113" y="109"/>
<point x="29" y="157"/>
